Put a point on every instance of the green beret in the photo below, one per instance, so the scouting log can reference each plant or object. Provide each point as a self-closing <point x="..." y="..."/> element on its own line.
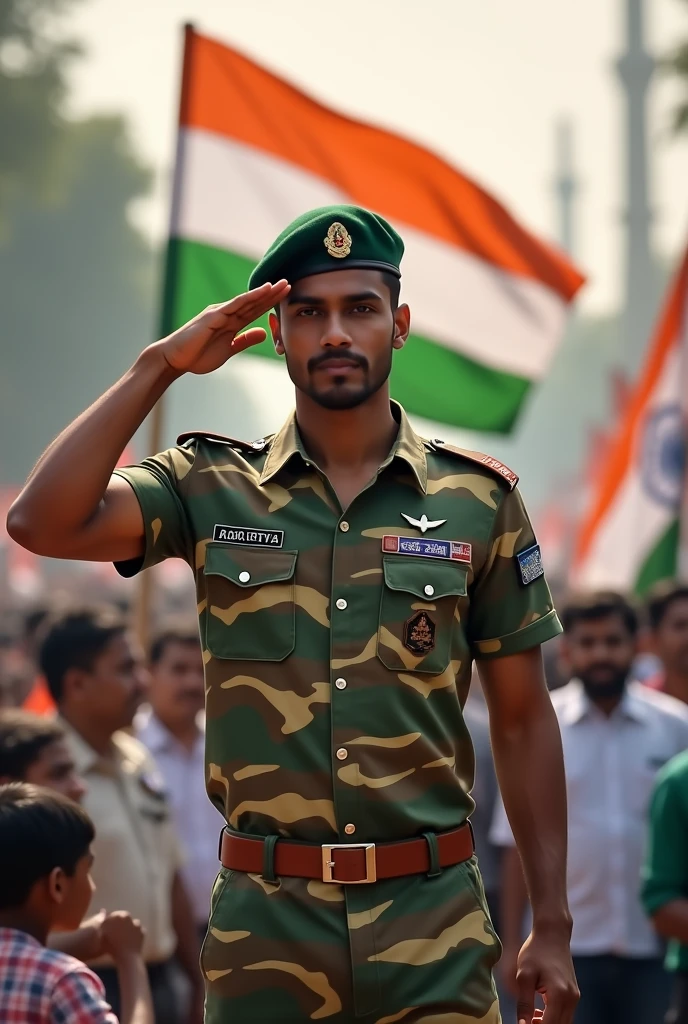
<point x="330" y="238"/>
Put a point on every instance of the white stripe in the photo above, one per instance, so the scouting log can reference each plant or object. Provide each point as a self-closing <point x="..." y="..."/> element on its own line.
<point x="239" y="198"/>
<point x="635" y="520"/>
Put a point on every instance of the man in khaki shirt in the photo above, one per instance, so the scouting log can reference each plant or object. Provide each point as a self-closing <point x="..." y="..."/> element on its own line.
<point x="96" y="677"/>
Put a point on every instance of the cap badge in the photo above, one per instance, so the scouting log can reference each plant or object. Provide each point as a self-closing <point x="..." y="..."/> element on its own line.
<point x="337" y="241"/>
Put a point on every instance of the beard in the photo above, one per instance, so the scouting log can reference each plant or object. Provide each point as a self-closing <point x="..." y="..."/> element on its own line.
<point x="611" y="686"/>
<point x="341" y="393"/>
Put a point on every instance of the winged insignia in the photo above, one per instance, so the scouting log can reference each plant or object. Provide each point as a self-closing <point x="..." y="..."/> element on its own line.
<point x="424" y="523"/>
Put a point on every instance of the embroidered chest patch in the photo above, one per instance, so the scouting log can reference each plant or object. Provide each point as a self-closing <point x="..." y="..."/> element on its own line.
<point x="248" y="535"/>
<point x="419" y="633"/>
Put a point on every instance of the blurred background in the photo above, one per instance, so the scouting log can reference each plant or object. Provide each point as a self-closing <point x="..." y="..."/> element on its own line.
<point x="573" y="116"/>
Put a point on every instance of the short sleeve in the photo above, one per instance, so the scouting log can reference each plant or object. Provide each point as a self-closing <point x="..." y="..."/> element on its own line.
<point x="511" y="606"/>
<point x="79" y="998"/>
<point x="665" y="871"/>
<point x="157" y="483"/>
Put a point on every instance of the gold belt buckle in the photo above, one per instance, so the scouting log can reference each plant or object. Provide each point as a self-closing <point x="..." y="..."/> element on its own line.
<point x="328" y="863"/>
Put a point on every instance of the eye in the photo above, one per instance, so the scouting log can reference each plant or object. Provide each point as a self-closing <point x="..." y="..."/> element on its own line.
<point x="308" y="311"/>
<point x="362" y="308"/>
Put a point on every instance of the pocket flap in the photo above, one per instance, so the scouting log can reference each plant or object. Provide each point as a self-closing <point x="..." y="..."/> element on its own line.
<point x="413" y="575"/>
<point x="249" y="567"/>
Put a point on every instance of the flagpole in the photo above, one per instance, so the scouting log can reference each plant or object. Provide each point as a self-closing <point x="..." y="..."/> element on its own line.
<point x="146" y="588"/>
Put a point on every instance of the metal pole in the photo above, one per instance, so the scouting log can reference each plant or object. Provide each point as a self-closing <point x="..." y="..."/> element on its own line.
<point x="146" y="589"/>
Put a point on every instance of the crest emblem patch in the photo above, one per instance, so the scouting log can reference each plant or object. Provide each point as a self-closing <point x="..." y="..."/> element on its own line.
<point x="419" y="633"/>
<point x="338" y="241"/>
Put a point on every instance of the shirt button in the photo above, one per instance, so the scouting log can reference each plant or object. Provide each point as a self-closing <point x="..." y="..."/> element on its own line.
<point x="429" y="590"/>
<point x="341" y="603"/>
<point x="340" y="684"/>
<point x="344" y="527"/>
<point x="260" y="443"/>
<point x="342" y="754"/>
<point x="349" y="829"/>
<point x="244" y="576"/>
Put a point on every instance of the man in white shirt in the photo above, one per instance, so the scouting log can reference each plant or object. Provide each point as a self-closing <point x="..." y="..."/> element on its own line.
<point x="171" y="727"/>
<point x="616" y="736"/>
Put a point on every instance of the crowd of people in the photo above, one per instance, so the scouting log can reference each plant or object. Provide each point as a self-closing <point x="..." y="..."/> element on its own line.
<point x="106" y="881"/>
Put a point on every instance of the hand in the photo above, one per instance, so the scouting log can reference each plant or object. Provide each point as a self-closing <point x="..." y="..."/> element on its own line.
<point x="213" y="337"/>
<point x="507" y="967"/>
<point x="122" y="935"/>
<point x="545" y="966"/>
<point x="88" y="938"/>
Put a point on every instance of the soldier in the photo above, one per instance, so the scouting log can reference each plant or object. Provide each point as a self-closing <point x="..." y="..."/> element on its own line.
<point x="348" y="573"/>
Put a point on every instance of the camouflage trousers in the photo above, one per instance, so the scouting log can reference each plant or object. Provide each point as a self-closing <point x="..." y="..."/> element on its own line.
<point x="418" y="950"/>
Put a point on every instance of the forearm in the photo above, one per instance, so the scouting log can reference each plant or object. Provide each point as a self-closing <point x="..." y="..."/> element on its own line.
<point x="135" y="994"/>
<point x="65" y="488"/>
<point x="188" y="947"/>
<point x="671" y="921"/>
<point x="530" y="768"/>
<point x="513" y="898"/>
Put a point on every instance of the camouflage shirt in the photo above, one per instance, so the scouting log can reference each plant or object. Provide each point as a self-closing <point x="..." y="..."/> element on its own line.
<point x="338" y="644"/>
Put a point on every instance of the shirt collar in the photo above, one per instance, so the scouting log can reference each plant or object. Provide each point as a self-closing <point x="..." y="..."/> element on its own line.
<point x="579" y="706"/>
<point x="156" y="736"/>
<point x="85" y="757"/>
<point x="407" y="446"/>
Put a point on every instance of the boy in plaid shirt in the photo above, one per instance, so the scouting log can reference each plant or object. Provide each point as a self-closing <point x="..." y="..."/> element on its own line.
<point x="45" y="860"/>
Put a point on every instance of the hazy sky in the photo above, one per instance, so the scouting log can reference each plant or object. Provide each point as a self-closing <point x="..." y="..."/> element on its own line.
<point x="481" y="81"/>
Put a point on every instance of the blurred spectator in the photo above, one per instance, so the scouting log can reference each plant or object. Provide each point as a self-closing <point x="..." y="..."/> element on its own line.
<point x="45" y="882"/>
<point x="96" y="678"/>
<point x="616" y="736"/>
<point x="38" y="698"/>
<point x="172" y="729"/>
<point x="35" y="749"/>
<point x="667" y="610"/>
<point x="665" y="876"/>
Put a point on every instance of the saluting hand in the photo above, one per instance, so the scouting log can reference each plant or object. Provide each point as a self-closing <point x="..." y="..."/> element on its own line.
<point x="214" y="336"/>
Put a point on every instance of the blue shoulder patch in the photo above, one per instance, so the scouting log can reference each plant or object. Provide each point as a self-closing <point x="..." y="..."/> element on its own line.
<point x="530" y="564"/>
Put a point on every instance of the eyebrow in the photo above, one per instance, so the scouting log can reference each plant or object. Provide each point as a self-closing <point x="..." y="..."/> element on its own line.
<point x="294" y="299"/>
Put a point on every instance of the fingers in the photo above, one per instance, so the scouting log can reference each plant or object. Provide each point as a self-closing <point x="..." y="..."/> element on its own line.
<point x="526" y="982"/>
<point x="253" y="304"/>
<point x="248" y="339"/>
<point x="560" y="1003"/>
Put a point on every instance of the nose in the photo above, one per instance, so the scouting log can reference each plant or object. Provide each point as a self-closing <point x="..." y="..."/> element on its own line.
<point x="335" y="334"/>
<point x="77" y="789"/>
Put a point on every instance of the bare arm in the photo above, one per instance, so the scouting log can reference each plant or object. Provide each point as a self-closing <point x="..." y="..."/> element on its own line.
<point x="71" y="506"/>
<point x="513" y="904"/>
<point x="188" y="948"/>
<point x="122" y="938"/>
<point x="528" y="757"/>
<point x="671" y="921"/>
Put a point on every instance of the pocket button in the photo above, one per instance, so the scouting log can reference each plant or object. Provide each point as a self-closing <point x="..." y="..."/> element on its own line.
<point x="244" y="576"/>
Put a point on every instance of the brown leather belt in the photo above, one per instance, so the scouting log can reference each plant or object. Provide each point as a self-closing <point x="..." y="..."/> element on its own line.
<point x="348" y="863"/>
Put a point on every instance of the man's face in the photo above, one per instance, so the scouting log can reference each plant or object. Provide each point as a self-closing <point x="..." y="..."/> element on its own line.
<point x="671" y="637"/>
<point x="54" y="768"/>
<point x="115" y="687"/>
<point x="176" y="691"/>
<point x="337" y="332"/>
<point x="600" y="653"/>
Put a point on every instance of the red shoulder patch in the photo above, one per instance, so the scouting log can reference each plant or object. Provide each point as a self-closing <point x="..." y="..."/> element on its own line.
<point x="494" y="465"/>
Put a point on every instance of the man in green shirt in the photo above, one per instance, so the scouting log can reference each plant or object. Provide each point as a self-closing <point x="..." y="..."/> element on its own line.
<point x="348" y="572"/>
<point x="665" y="875"/>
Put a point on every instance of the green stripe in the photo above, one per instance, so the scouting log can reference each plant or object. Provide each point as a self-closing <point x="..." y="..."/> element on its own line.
<point x="429" y="379"/>
<point x="662" y="561"/>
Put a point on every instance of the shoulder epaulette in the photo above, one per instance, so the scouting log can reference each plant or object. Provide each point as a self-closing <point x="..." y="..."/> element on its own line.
<point x="487" y="461"/>
<point x="233" y="442"/>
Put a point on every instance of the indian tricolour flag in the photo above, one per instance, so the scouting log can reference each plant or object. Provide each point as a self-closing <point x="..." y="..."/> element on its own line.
<point x="630" y="537"/>
<point x="488" y="299"/>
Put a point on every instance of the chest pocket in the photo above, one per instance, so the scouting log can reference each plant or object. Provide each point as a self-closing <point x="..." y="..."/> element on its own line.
<point x="417" y="613"/>
<point x="250" y="592"/>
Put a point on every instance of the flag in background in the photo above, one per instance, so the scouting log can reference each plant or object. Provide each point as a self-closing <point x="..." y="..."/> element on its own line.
<point x="488" y="299"/>
<point x="630" y="537"/>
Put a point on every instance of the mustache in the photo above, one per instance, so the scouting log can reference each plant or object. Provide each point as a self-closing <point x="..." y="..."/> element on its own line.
<point x="329" y="357"/>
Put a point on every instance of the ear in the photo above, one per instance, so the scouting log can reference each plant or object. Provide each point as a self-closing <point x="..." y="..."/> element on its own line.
<point x="56" y="885"/>
<point x="276" y="331"/>
<point x="563" y="653"/>
<point x="73" y="682"/>
<point x="402" y="326"/>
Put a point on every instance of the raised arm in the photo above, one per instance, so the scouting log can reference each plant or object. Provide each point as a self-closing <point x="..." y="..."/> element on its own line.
<point x="71" y="506"/>
<point x="528" y="757"/>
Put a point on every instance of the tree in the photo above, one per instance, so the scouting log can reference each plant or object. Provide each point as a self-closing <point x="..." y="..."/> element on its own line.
<point x="677" y="63"/>
<point x="77" y="280"/>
